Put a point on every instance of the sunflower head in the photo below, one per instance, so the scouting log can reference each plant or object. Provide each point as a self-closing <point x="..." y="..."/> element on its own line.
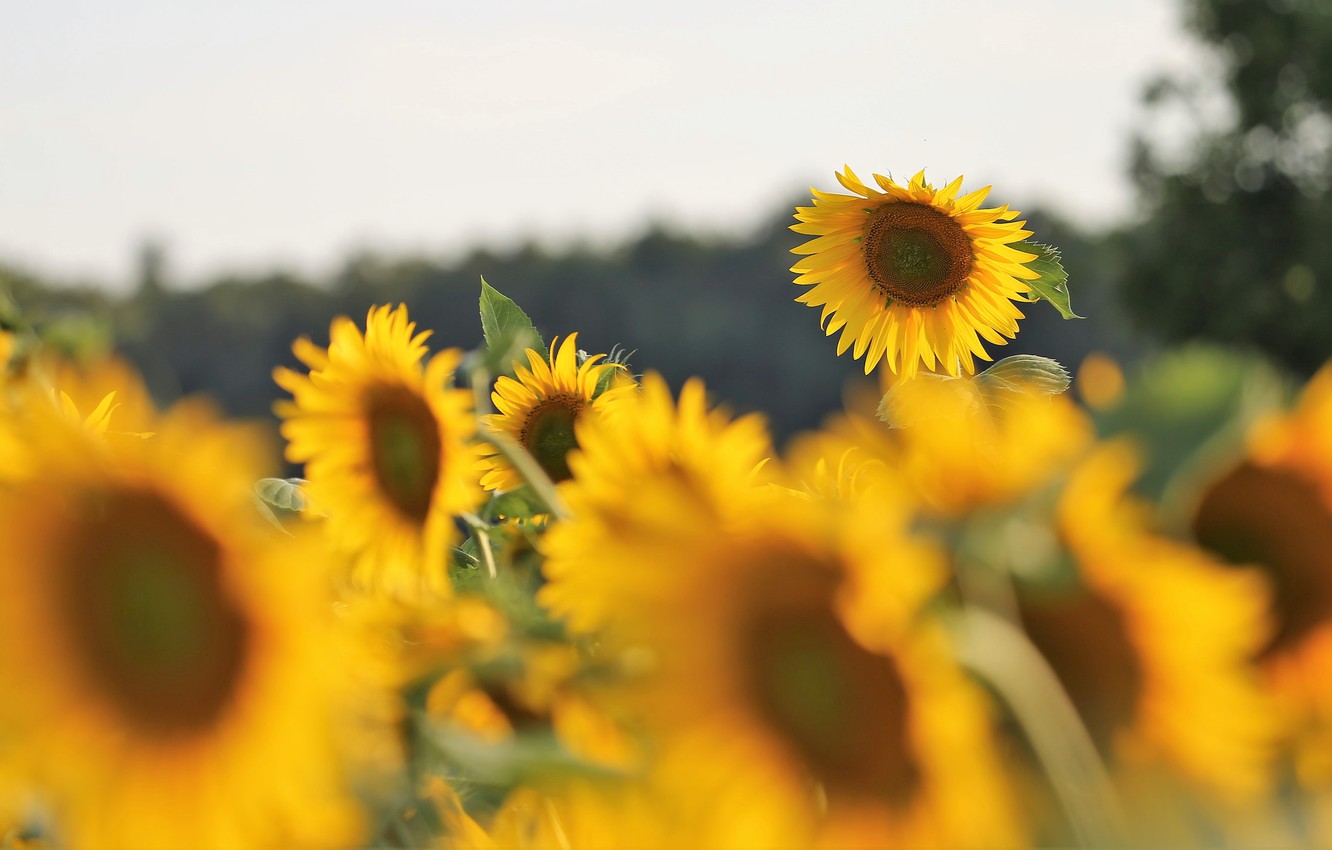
<point x="1155" y="647"/>
<point x="913" y="275"/>
<point x="539" y="409"/>
<point x="181" y="641"/>
<point x="647" y="466"/>
<point x="385" y="442"/>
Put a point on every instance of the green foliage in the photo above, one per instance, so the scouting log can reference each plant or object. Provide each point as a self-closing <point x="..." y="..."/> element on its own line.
<point x="1233" y="247"/>
<point x="1024" y="373"/>
<point x="1052" y="285"/>
<point x="522" y="503"/>
<point x="1188" y="406"/>
<point x="508" y="331"/>
<point x="283" y="493"/>
<point x="276" y="498"/>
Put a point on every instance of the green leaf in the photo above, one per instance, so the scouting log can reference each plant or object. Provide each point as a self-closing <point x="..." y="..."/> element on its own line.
<point x="507" y="329"/>
<point x="1052" y="285"/>
<point x="1024" y="373"/>
<point x="995" y="390"/>
<point x="524" y="758"/>
<point x="522" y="503"/>
<point x="283" y="493"/>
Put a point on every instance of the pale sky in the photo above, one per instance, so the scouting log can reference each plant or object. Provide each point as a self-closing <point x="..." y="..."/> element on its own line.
<point x="256" y="133"/>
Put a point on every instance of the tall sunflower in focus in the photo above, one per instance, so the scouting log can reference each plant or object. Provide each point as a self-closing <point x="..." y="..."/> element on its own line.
<point x="540" y="409"/>
<point x="177" y="665"/>
<point x="384" y="439"/>
<point x="913" y="275"/>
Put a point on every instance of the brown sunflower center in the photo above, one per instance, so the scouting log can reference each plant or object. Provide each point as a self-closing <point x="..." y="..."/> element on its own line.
<point x="916" y="254"/>
<point x="548" y="433"/>
<point x="160" y="636"/>
<point x="1271" y="518"/>
<point x="842" y="709"/>
<point x="405" y="449"/>
<point x="1085" y="640"/>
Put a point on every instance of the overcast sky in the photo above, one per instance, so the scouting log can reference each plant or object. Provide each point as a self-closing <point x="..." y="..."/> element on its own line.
<point x="261" y="132"/>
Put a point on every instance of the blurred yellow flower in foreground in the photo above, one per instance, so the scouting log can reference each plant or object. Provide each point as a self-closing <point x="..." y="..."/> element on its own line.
<point x="178" y="676"/>
<point x="384" y="441"/>
<point x="1155" y="645"/>
<point x="911" y="274"/>
<point x="795" y="692"/>
<point x="644" y="469"/>
<point x="1273" y="510"/>
<point x="958" y="448"/>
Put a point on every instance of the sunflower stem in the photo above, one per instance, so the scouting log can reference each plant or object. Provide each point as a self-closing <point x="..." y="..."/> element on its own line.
<point x="531" y="471"/>
<point x="1000" y="652"/>
<point x="482" y="531"/>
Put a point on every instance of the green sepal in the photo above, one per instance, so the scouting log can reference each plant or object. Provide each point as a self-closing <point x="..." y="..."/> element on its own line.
<point x="508" y="331"/>
<point x="619" y="359"/>
<point x="1052" y="285"/>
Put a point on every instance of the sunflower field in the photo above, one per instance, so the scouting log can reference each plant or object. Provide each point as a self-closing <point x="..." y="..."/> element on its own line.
<point x="527" y="596"/>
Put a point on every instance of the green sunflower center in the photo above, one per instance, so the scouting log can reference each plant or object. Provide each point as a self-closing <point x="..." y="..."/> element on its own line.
<point x="160" y="636"/>
<point x="916" y="254"/>
<point x="548" y="434"/>
<point x="1268" y="517"/>
<point x="1085" y="640"/>
<point x="405" y="449"/>
<point x="842" y="709"/>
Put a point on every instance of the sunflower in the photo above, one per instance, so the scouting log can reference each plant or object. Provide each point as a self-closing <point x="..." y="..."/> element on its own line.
<point x="1273" y="510"/>
<point x="540" y="409"/>
<point x="913" y="275"/>
<point x="791" y="679"/>
<point x="701" y="460"/>
<point x="178" y="669"/>
<point x="955" y="450"/>
<point x="1154" y="645"/>
<point x="384" y="441"/>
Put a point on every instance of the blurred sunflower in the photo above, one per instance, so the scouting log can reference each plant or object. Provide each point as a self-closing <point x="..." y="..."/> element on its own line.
<point x="1272" y="510"/>
<point x="697" y="460"/>
<point x="179" y="676"/>
<point x="385" y="445"/>
<point x="540" y="409"/>
<point x="1154" y="647"/>
<point x="789" y="677"/>
<point x="913" y="275"/>
<point x="956" y="450"/>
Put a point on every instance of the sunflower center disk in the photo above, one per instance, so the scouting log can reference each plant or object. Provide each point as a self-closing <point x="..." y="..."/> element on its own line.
<point x="160" y="635"/>
<point x="548" y="434"/>
<point x="841" y="708"/>
<point x="405" y="450"/>
<point x="1086" y="642"/>
<point x="915" y="254"/>
<point x="1263" y="516"/>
